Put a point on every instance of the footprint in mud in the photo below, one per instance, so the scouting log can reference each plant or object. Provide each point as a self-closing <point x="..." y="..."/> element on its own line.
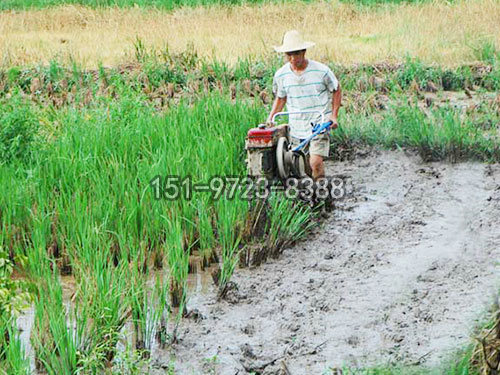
<point x="429" y="172"/>
<point x="353" y="341"/>
<point x="249" y="329"/>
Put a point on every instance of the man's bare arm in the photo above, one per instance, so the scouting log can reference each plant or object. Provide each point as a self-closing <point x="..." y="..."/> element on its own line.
<point x="336" y="103"/>
<point x="278" y="105"/>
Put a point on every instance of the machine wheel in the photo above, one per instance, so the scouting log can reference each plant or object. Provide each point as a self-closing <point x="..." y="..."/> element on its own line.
<point x="299" y="165"/>
<point x="283" y="158"/>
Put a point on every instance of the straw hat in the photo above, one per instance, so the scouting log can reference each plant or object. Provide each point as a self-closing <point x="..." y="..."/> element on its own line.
<point x="292" y="41"/>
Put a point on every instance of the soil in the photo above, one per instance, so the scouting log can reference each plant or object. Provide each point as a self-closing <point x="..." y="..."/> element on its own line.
<point x="401" y="272"/>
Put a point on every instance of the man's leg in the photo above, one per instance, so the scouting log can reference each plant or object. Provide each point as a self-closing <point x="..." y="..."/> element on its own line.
<point x="320" y="147"/>
<point x="317" y="166"/>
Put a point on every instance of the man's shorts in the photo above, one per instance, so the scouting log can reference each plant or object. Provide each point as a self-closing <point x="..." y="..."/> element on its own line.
<point x="319" y="145"/>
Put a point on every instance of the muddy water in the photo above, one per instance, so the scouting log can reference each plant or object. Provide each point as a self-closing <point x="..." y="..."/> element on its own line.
<point x="400" y="273"/>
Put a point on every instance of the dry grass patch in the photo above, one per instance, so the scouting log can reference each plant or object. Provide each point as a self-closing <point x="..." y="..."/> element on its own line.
<point x="436" y="32"/>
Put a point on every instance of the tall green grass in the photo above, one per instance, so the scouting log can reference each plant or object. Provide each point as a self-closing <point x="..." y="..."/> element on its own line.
<point x="13" y="359"/>
<point x="441" y="134"/>
<point x="14" y="297"/>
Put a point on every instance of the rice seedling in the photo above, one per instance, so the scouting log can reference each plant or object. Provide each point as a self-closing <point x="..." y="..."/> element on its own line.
<point x="230" y="215"/>
<point x="178" y="262"/>
<point x="54" y="344"/>
<point x="288" y="221"/>
<point x="14" y="297"/>
<point x="102" y="303"/>
<point x="440" y="133"/>
<point x="205" y="226"/>
<point x="13" y="360"/>
<point x="149" y="306"/>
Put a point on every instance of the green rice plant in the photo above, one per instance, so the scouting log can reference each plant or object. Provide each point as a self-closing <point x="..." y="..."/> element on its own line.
<point x="178" y="262"/>
<point x="230" y="223"/>
<point x="14" y="297"/>
<point x="288" y="222"/>
<point x="442" y="133"/>
<point x="206" y="233"/>
<point x="149" y="304"/>
<point x="103" y="305"/>
<point x="13" y="359"/>
<point x="54" y="344"/>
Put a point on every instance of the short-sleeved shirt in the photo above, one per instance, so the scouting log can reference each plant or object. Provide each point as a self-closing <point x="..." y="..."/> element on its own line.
<point x="311" y="90"/>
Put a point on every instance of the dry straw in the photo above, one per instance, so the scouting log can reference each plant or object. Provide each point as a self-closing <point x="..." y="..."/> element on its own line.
<point x="438" y="31"/>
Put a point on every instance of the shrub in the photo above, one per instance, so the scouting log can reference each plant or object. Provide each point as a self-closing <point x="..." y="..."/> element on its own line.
<point x="17" y="130"/>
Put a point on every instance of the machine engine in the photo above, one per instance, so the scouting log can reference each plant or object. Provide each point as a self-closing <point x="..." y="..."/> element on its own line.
<point x="261" y="144"/>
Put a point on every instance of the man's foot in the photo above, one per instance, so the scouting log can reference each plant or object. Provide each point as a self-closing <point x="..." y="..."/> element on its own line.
<point x="325" y="213"/>
<point x="329" y="204"/>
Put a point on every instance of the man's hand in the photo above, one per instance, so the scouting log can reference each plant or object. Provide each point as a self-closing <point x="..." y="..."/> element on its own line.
<point x="278" y="105"/>
<point x="335" y="123"/>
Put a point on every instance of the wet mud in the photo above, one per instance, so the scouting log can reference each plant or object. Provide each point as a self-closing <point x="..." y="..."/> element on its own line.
<point x="401" y="272"/>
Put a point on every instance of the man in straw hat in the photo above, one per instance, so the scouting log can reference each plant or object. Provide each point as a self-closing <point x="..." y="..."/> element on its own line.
<point x="303" y="85"/>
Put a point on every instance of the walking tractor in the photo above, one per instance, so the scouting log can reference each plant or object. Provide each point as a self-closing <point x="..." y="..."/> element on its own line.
<point x="270" y="154"/>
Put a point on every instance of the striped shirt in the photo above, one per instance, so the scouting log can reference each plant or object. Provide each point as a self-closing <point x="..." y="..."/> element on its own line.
<point x="311" y="90"/>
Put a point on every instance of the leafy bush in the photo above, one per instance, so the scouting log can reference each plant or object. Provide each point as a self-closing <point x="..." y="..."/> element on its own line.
<point x="17" y="130"/>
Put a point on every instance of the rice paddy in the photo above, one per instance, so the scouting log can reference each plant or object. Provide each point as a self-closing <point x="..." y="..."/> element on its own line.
<point x="115" y="246"/>
<point x="86" y="156"/>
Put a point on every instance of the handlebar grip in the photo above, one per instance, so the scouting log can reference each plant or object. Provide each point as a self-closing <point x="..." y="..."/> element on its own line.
<point x="322" y="126"/>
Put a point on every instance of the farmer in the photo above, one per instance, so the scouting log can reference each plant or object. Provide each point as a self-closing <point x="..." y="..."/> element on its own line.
<point x="302" y="85"/>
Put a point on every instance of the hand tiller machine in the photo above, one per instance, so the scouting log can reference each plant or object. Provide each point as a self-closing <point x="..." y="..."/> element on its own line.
<point x="269" y="151"/>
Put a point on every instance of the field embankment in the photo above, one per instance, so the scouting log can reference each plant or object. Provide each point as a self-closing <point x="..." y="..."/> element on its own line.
<point x="446" y="33"/>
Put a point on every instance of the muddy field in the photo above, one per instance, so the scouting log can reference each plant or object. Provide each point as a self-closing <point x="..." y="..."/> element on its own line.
<point x="400" y="273"/>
